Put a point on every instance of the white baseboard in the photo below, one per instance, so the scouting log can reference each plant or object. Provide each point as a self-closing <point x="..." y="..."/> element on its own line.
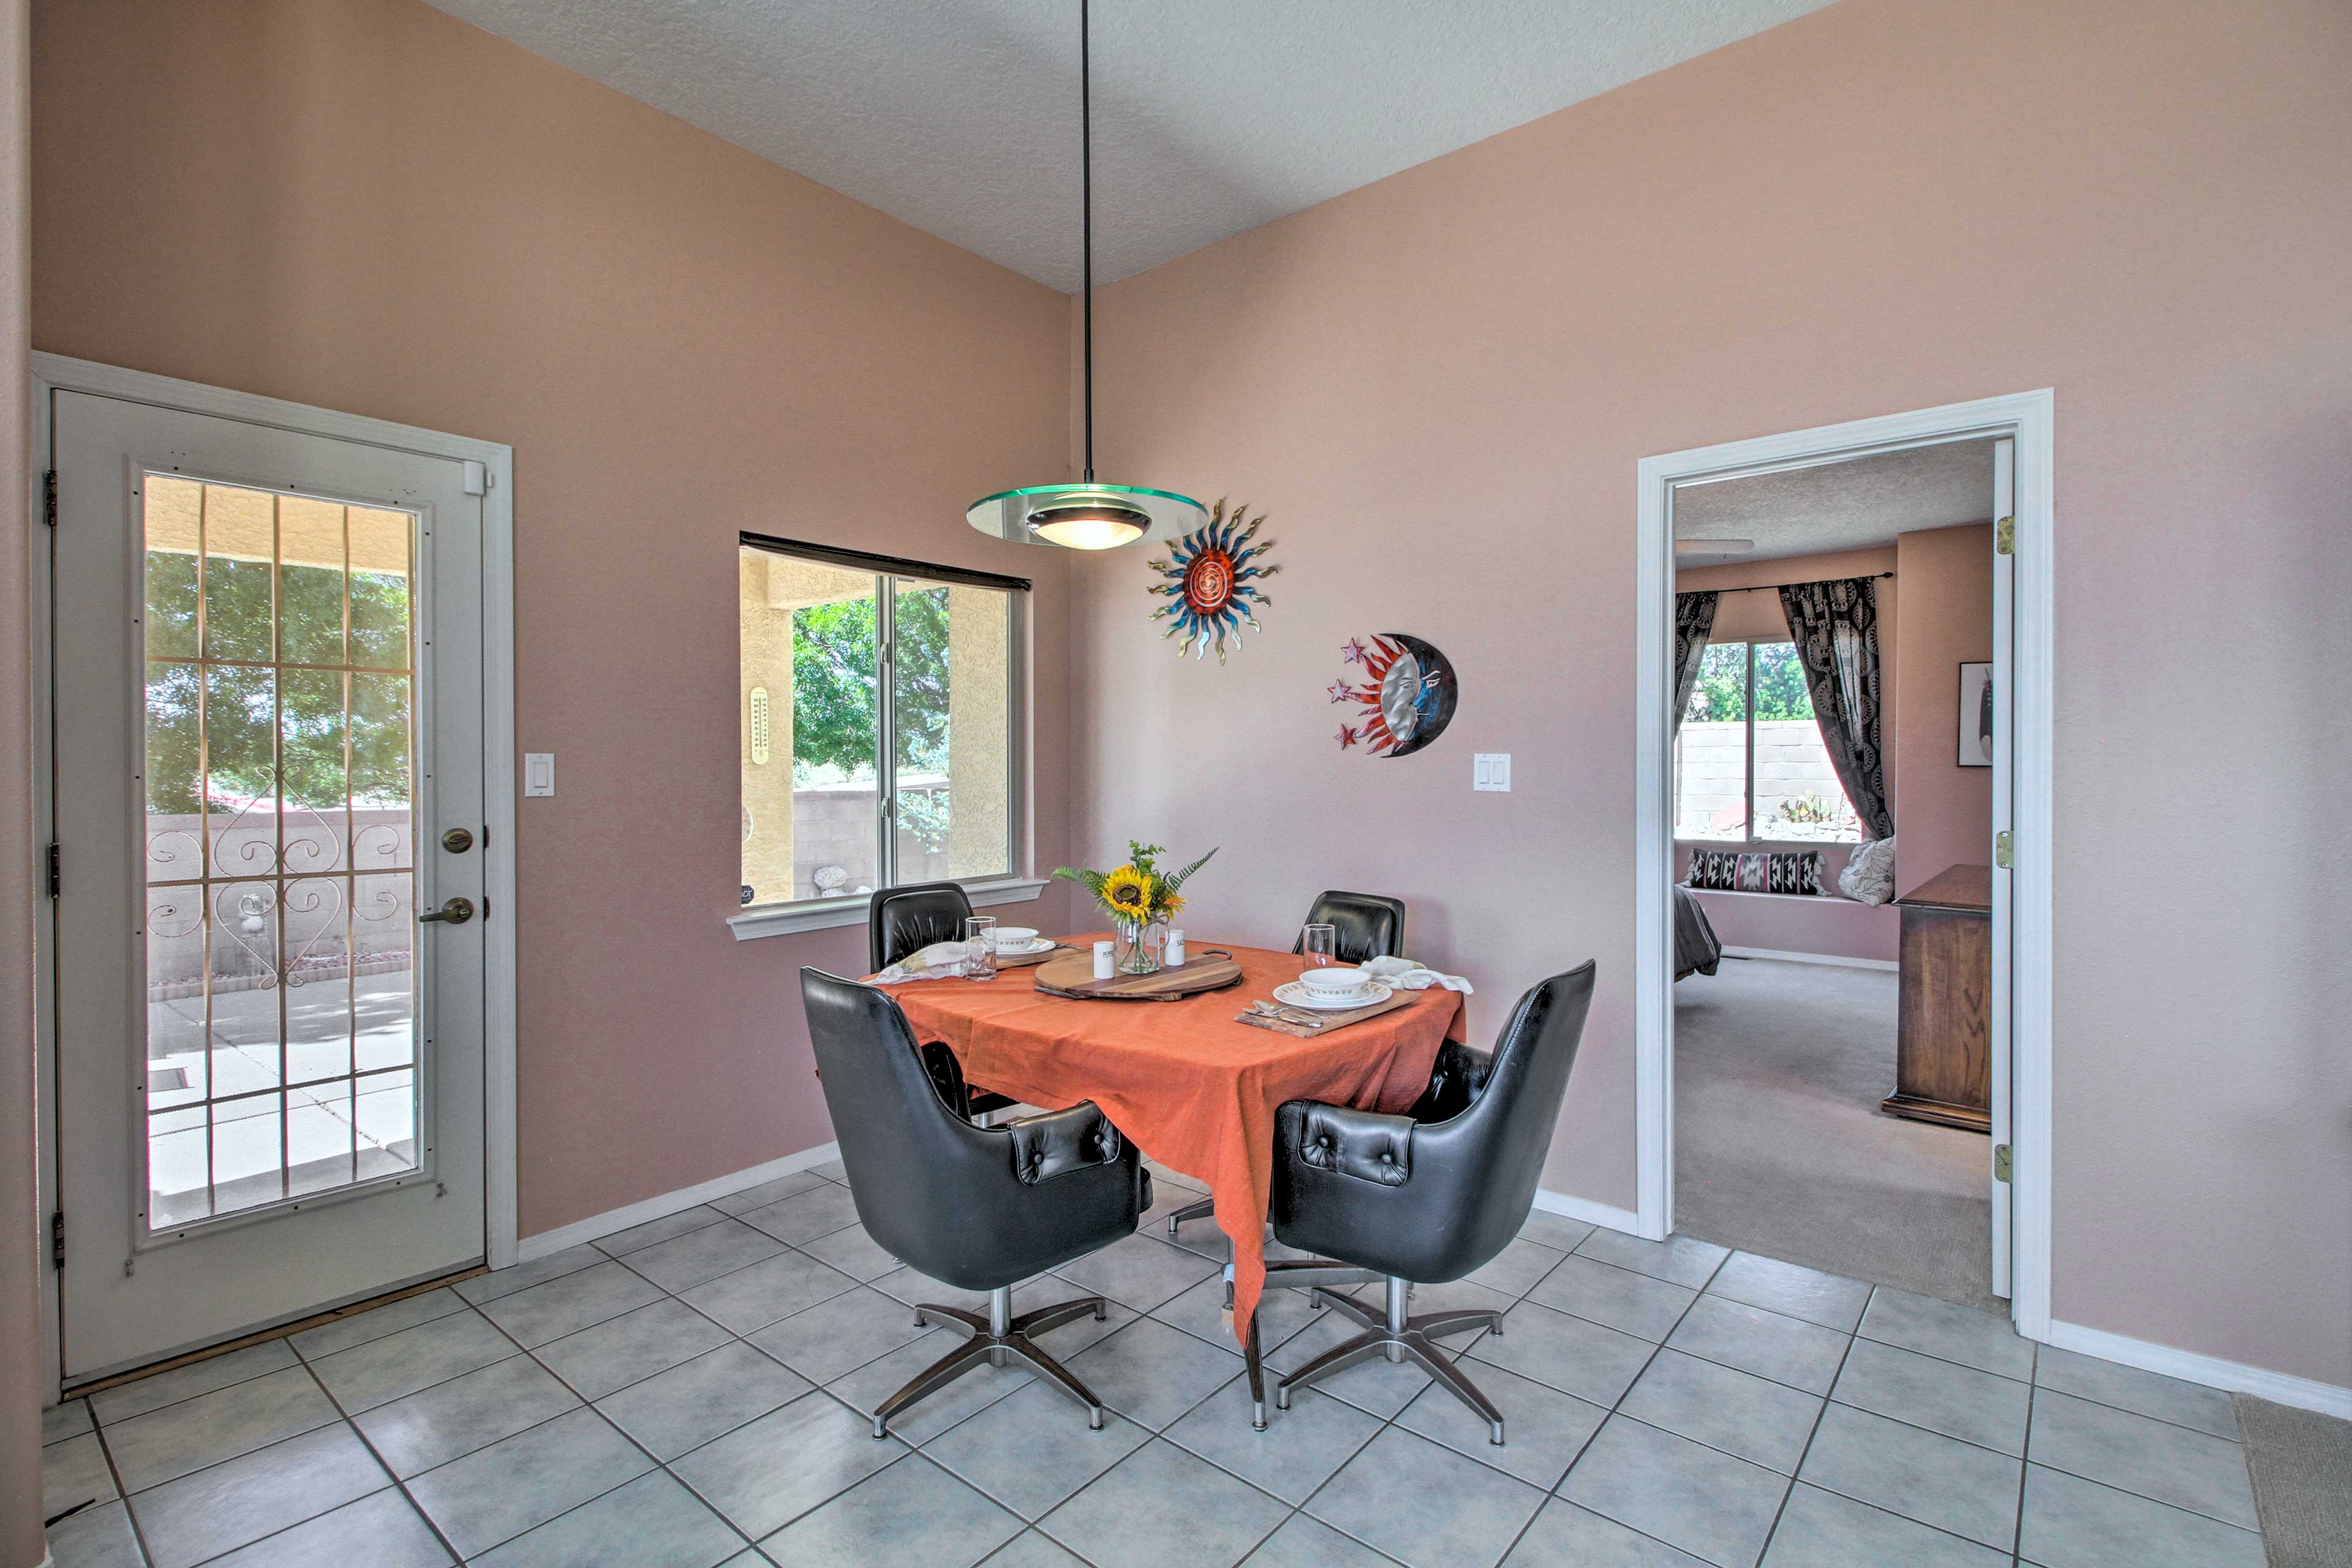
<point x="1588" y="1211"/>
<point x="2279" y="1387"/>
<point x="612" y="1221"/>
<point x="1838" y="959"/>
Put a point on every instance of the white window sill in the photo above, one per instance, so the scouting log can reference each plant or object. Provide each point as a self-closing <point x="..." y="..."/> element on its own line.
<point x="1823" y="897"/>
<point x="783" y="920"/>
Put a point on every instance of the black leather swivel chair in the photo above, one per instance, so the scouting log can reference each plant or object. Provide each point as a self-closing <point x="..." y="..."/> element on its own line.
<point x="907" y="920"/>
<point x="978" y="1208"/>
<point x="1366" y="926"/>
<point x="1429" y="1195"/>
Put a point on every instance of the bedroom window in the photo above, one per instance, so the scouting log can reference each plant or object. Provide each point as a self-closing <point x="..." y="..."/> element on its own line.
<point x="1749" y="765"/>
<point x="878" y="721"/>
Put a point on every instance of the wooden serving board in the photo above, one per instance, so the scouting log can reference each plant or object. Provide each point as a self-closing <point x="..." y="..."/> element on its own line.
<point x="1073" y="974"/>
<point x="1331" y="1021"/>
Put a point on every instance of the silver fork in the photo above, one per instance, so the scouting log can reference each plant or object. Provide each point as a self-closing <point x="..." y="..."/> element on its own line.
<point x="1288" y="1015"/>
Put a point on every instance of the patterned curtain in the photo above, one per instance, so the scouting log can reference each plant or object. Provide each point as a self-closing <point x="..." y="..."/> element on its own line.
<point x="1694" y="619"/>
<point x="1835" y="625"/>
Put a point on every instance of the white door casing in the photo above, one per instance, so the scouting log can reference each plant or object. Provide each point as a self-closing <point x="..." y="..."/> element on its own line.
<point x="130" y="1293"/>
<point x="2028" y="422"/>
<point x="2004" y="923"/>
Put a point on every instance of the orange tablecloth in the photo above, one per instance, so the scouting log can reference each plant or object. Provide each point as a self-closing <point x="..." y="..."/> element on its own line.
<point x="1193" y="1088"/>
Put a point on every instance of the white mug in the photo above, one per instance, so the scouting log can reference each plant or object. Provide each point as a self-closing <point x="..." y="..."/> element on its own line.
<point x="1175" y="953"/>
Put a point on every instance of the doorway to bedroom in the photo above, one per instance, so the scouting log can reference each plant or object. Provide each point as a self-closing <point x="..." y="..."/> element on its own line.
<point x="1830" y="768"/>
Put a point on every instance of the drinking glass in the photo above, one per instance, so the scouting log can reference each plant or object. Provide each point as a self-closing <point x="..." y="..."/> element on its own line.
<point x="979" y="947"/>
<point x="1321" y="944"/>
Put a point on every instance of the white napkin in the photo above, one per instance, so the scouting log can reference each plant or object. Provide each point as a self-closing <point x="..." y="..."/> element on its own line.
<point x="940" y="961"/>
<point x="1406" y="976"/>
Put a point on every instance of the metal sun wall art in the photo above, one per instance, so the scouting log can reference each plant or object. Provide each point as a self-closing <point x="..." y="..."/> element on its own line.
<point x="1408" y="700"/>
<point x="1211" y="581"/>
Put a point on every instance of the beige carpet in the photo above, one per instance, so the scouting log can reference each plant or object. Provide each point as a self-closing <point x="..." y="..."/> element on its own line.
<point x="2301" y="1467"/>
<point x="1780" y="1148"/>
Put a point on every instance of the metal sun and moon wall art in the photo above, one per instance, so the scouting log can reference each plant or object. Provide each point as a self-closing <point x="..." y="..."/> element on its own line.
<point x="1210" y="580"/>
<point x="1408" y="699"/>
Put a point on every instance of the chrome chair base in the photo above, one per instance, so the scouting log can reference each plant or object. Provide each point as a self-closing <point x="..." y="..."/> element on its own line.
<point x="1397" y="1338"/>
<point x="995" y="1340"/>
<point x="1201" y="1210"/>
<point x="1307" y="1274"/>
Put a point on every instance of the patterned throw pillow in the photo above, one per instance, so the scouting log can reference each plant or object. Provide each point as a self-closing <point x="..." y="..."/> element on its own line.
<point x="1754" y="874"/>
<point x="1712" y="869"/>
<point x="1869" y="877"/>
<point x="1796" y="871"/>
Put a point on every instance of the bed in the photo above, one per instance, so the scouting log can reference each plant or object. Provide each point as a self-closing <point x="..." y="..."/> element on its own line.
<point x="1696" y="950"/>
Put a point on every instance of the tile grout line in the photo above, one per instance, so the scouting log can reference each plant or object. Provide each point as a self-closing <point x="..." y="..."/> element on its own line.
<point x="2025" y="1467"/>
<point x="2038" y="1385"/>
<point x="1815" y="1431"/>
<point x="106" y="1451"/>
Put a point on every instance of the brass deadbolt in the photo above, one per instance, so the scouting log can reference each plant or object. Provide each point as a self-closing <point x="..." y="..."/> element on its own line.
<point x="457" y="840"/>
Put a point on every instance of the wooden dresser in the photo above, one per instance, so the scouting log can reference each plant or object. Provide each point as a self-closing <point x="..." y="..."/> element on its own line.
<point x="1943" y="1058"/>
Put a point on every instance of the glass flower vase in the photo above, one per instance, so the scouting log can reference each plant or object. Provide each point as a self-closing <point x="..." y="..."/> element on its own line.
<point x="1135" y="947"/>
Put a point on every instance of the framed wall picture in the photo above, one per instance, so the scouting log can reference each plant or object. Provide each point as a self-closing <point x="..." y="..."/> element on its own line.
<point x="1976" y="715"/>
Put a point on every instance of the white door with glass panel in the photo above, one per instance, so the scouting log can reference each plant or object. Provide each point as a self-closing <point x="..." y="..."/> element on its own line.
<point x="270" y="958"/>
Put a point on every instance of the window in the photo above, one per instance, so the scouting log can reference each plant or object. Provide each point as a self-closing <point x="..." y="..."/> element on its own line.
<point x="1749" y="765"/>
<point x="876" y="720"/>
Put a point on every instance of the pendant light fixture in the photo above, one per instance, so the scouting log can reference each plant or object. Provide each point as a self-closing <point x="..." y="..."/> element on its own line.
<point x="1086" y="515"/>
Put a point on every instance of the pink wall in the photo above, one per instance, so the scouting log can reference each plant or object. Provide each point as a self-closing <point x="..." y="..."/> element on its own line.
<point x="1946" y="817"/>
<point x="1438" y="387"/>
<point x="370" y="206"/>
<point x="21" y="1375"/>
<point x="1837" y="927"/>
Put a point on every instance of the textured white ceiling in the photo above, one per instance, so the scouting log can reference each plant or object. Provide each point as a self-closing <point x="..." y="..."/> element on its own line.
<point x="1211" y="116"/>
<point x="1838" y="506"/>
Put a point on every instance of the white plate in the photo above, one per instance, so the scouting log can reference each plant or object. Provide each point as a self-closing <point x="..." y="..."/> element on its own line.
<point x="1037" y="945"/>
<point x="1294" y="994"/>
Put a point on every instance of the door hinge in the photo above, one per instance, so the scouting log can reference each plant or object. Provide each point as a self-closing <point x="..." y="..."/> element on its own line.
<point x="2000" y="1162"/>
<point x="2004" y="849"/>
<point x="57" y="1239"/>
<point x="2004" y="536"/>
<point x="56" y="870"/>
<point x="50" y="497"/>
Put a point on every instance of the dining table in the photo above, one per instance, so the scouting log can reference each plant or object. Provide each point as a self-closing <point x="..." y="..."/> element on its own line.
<point x="1194" y="1089"/>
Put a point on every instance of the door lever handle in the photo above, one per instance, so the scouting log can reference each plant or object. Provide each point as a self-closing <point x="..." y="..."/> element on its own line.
<point x="457" y="911"/>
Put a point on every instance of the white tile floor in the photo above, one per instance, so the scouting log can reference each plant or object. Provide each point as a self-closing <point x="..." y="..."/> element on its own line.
<point x="692" y="1393"/>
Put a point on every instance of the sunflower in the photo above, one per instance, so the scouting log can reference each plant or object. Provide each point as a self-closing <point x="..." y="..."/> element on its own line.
<point x="1171" y="905"/>
<point x="1126" y="893"/>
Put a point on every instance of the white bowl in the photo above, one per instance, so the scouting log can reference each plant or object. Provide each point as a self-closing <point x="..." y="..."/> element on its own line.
<point x="1015" y="938"/>
<point x="1337" y="980"/>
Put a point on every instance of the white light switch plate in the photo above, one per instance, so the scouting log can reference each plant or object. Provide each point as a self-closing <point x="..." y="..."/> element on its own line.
<point x="538" y="772"/>
<point x="1491" y="770"/>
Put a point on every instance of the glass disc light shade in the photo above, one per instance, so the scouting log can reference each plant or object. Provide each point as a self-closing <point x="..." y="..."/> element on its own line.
<point x="1079" y="516"/>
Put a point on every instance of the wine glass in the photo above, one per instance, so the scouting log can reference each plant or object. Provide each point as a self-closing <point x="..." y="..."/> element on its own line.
<point x="979" y="947"/>
<point x="1321" y="945"/>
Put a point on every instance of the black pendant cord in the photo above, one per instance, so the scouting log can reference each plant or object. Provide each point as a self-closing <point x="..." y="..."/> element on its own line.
<point x="1087" y="221"/>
